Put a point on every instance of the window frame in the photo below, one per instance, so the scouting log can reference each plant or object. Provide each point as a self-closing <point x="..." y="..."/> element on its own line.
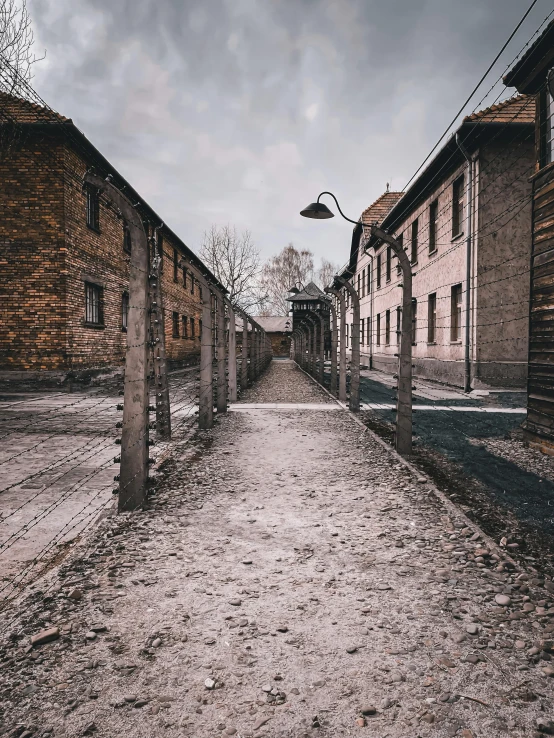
<point x="93" y="207"/>
<point x="398" y="324"/>
<point x="127" y="241"/>
<point x="458" y="186"/>
<point x="388" y="269"/>
<point x="98" y="289"/>
<point x="175" y="324"/>
<point x="185" y="324"/>
<point x="433" y="226"/>
<point x="414" y="321"/>
<point x="387" y="327"/>
<point x="414" y="232"/>
<point x="378" y="271"/>
<point x="378" y="329"/>
<point x="432" y="318"/>
<point x="175" y="266"/>
<point x="124" y="311"/>
<point x="456" y="302"/>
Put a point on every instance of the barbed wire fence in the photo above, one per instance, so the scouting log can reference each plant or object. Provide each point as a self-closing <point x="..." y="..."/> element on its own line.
<point x="80" y="428"/>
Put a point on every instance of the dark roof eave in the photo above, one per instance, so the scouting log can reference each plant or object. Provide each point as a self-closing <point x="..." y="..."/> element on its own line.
<point x="526" y="75"/>
<point x="110" y="169"/>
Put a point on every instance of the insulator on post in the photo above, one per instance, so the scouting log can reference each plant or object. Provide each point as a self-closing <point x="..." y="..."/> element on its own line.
<point x="119" y="425"/>
<point x="115" y="491"/>
<point x="119" y="407"/>
<point x="150" y="443"/>
<point x="151" y="408"/>
<point x="151" y="461"/>
<point x="118" y="441"/>
<point x="116" y="478"/>
<point x="117" y="459"/>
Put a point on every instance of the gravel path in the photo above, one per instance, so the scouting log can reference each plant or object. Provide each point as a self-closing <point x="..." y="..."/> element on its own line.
<point x="285" y="382"/>
<point x="291" y="578"/>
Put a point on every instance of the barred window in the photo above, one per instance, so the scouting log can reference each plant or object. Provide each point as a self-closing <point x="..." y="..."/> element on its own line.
<point x="387" y="327"/>
<point x="378" y="271"/>
<point x="124" y="311"/>
<point x="175" y="325"/>
<point x="93" y="304"/>
<point x="93" y="208"/>
<point x="456" y="313"/>
<point x="185" y="323"/>
<point x="414" y="321"/>
<point x="193" y="328"/>
<point x="175" y="265"/>
<point x="432" y="318"/>
<point x="378" y="330"/>
<point x="415" y="235"/>
<point x="457" y="206"/>
<point x="433" y="225"/>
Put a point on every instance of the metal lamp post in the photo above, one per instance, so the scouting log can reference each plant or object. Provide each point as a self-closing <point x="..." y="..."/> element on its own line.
<point x="403" y="441"/>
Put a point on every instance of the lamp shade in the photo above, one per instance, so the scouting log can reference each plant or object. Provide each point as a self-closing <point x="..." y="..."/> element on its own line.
<point x="317" y="210"/>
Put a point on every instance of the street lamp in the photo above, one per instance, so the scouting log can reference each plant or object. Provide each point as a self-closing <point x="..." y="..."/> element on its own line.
<point x="403" y="436"/>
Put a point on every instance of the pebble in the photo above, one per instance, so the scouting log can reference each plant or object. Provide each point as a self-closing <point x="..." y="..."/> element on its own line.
<point x="369" y="710"/>
<point x="472" y="629"/>
<point x="90" y="635"/>
<point x="360" y="722"/>
<point x="502" y="600"/>
<point x="210" y="683"/>
<point x="156" y="643"/>
<point x="75" y="594"/>
<point x="235" y="602"/>
<point x="351" y="649"/>
<point x="45" y="636"/>
<point x="247" y="561"/>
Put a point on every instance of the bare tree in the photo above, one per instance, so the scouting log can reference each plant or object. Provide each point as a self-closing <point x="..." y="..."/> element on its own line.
<point x="326" y="272"/>
<point x="235" y="261"/>
<point x="281" y="273"/>
<point x="16" y="42"/>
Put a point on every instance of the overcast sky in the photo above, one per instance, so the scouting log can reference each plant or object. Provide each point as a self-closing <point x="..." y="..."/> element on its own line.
<point x="242" y="111"/>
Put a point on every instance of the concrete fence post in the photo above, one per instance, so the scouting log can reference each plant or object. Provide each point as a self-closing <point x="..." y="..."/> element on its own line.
<point x="321" y="347"/>
<point x="403" y="440"/>
<point x="355" y="360"/>
<point x="157" y="323"/>
<point x="334" y="346"/>
<point x="244" y="353"/>
<point x="133" y="477"/>
<point x="232" y="361"/>
<point x="221" y="357"/>
<point x="342" y="342"/>
<point x="206" y="401"/>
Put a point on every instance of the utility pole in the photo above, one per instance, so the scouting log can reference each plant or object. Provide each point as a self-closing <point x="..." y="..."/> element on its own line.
<point x="133" y="477"/>
<point x="232" y="360"/>
<point x="403" y="441"/>
<point x="161" y="380"/>
<point x="221" y="362"/>
<point x="354" y="404"/>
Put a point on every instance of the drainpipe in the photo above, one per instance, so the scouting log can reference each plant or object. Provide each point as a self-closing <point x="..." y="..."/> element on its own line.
<point x="467" y="356"/>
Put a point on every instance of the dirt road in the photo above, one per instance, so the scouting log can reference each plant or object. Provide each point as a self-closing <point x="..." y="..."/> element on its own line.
<point x="291" y="578"/>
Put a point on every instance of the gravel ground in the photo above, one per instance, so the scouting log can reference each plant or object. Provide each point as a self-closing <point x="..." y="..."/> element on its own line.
<point x="516" y="451"/>
<point x="291" y="578"/>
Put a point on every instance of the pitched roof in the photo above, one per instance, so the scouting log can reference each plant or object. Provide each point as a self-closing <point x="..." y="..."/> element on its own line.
<point x="381" y="207"/>
<point x="310" y="292"/>
<point x="527" y="73"/>
<point x="14" y="109"/>
<point x="517" y="109"/>
<point x="275" y="324"/>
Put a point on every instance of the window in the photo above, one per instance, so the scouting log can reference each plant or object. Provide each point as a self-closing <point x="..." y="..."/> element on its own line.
<point x="414" y="322"/>
<point x="457" y="206"/>
<point x="199" y="327"/>
<point x="432" y="318"/>
<point x="398" y="323"/>
<point x="433" y="225"/>
<point x="456" y="313"/>
<point x="378" y="330"/>
<point x="175" y="265"/>
<point x="127" y="240"/>
<point x="93" y="304"/>
<point x="389" y="262"/>
<point x="185" y="322"/>
<point x="359" y="285"/>
<point x="415" y="234"/>
<point x="363" y="283"/>
<point x="185" y="277"/>
<point x="369" y="280"/>
<point x="192" y="284"/>
<point x="192" y="328"/>
<point x="346" y="335"/>
<point x="175" y="325"/>
<point x="124" y="310"/>
<point x="369" y="331"/>
<point x="387" y="327"/>
<point x="378" y="271"/>
<point x="362" y="332"/>
<point x="93" y="208"/>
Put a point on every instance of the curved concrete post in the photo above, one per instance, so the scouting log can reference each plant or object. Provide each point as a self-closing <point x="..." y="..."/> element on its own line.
<point x="244" y="353"/>
<point x="334" y="342"/>
<point x="355" y="360"/>
<point x="133" y="476"/>
<point x="232" y="356"/>
<point x="206" y="398"/>
<point x="341" y="338"/>
<point x="321" y="346"/>
<point x="221" y="357"/>
<point x="403" y="441"/>
<point x="310" y="321"/>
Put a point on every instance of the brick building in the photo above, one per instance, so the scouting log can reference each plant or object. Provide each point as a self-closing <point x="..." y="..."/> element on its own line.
<point x="488" y="267"/>
<point x="278" y="329"/>
<point x="64" y="253"/>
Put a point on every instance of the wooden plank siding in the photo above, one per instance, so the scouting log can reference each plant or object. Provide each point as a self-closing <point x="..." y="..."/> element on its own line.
<point x="540" y="406"/>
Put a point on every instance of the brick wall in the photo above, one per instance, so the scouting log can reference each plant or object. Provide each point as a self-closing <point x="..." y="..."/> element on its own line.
<point x="48" y="254"/>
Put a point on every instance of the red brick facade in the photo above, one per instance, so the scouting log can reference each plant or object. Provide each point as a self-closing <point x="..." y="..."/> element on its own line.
<point x="48" y="254"/>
